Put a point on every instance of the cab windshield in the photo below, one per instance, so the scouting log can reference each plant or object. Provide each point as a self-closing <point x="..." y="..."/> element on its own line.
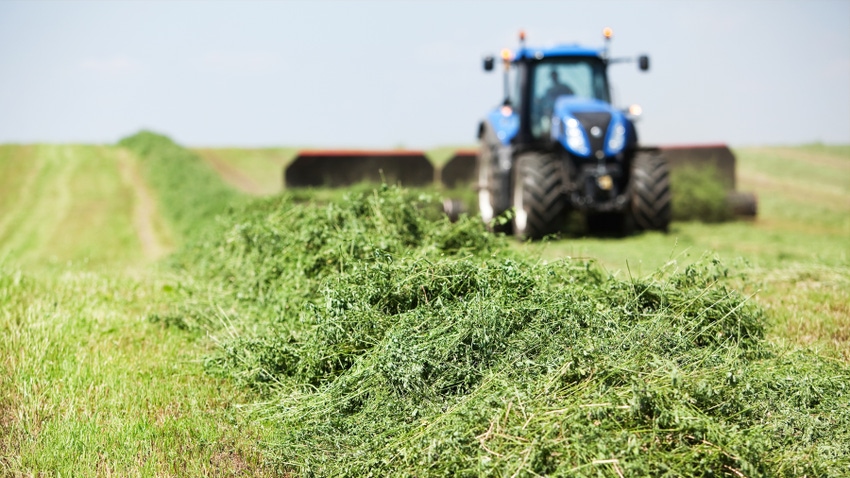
<point x="582" y="77"/>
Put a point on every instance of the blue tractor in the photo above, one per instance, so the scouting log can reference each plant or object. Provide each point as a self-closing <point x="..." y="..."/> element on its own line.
<point x="556" y="145"/>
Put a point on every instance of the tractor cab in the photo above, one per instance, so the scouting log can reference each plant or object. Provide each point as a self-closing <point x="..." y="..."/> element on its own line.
<point x="566" y="77"/>
<point x="537" y="78"/>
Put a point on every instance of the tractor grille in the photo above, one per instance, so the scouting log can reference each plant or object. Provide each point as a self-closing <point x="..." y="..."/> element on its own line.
<point x="588" y="121"/>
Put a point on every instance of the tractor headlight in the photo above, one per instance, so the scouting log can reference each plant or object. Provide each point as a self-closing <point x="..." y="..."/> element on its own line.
<point x="616" y="136"/>
<point x="576" y="139"/>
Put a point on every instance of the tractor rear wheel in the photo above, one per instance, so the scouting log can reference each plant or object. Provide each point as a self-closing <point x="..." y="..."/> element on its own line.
<point x="540" y="205"/>
<point x="651" y="197"/>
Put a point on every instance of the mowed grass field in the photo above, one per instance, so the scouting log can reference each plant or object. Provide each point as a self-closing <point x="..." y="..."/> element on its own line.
<point x="90" y="387"/>
<point x="75" y="205"/>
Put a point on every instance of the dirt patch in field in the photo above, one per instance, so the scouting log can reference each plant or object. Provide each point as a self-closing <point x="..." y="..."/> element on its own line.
<point x="231" y="175"/>
<point x="236" y="458"/>
<point x="144" y="208"/>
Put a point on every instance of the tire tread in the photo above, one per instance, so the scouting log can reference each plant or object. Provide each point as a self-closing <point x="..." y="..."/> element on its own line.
<point x="651" y="195"/>
<point x="541" y="178"/>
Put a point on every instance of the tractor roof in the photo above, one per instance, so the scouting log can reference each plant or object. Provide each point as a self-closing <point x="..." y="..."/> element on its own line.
<point x="556" y="51"/>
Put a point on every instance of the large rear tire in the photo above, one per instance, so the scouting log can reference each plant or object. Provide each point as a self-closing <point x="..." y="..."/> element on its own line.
<point x="540" y="205"/>
<point x="651" y="196"/>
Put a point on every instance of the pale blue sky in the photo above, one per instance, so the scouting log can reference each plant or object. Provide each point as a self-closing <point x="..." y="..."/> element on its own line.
<point x="383" y="74"/>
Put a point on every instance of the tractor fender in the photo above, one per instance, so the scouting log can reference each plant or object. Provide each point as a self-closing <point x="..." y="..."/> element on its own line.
<point x="503" y="123"/>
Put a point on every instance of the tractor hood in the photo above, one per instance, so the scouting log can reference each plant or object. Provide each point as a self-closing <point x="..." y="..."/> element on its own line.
<point x="590" y="128"/>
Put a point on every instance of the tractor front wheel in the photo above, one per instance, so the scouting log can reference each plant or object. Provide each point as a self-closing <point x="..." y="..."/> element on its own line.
<point x="491" y="188"/>
<point x="540" y="205"/>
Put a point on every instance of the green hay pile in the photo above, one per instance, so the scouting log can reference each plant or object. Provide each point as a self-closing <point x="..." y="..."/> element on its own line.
<point x="390" y="342"/>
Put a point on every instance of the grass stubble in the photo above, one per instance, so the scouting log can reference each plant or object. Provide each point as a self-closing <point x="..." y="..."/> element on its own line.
<point x="90" y="388"/>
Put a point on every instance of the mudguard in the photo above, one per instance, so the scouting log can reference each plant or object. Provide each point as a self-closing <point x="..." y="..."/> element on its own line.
<point x="504" y="123"/>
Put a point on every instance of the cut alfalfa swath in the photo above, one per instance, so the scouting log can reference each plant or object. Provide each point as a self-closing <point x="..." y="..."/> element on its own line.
<point x="389" y="341"/>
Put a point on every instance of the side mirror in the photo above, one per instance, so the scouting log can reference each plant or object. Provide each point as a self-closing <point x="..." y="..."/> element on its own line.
<point x="488" y="63"/>
<point x="643" y="63"/>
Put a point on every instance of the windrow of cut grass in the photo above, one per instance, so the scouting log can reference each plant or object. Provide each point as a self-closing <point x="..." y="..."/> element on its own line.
<point x="190" y="193"/>
<point x="390" y="342"/>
